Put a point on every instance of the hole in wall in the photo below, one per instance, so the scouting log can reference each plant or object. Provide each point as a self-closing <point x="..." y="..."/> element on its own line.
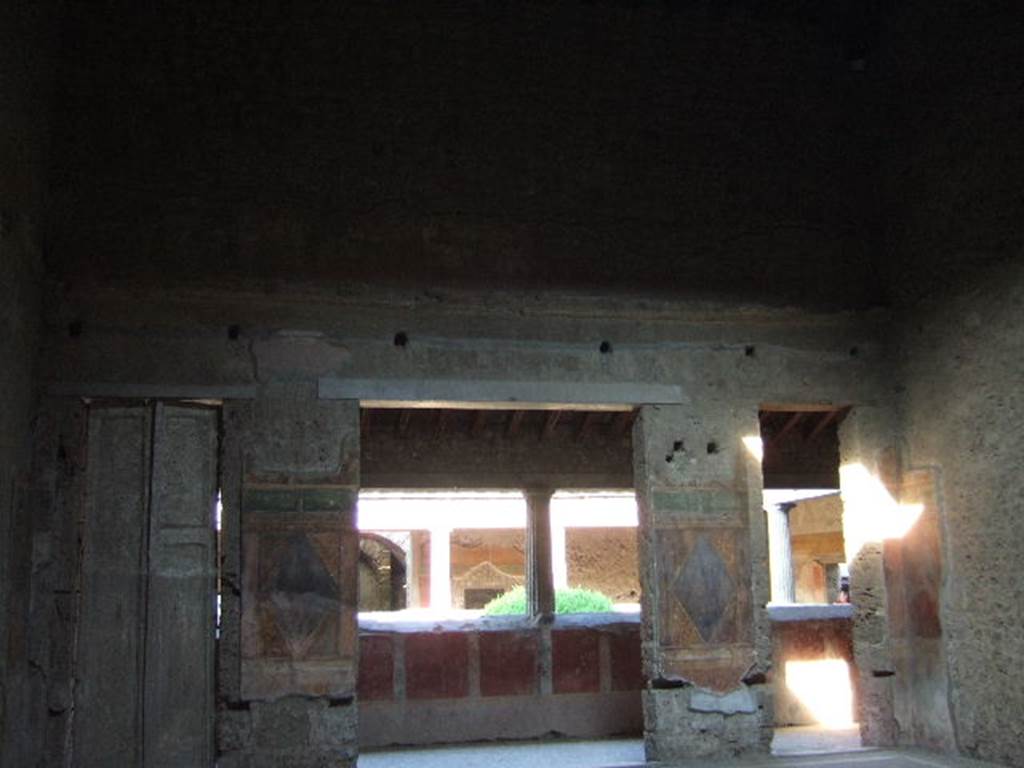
<point x="750" y="350"/>
<point x="401" y="339"/>
<point x="677" y="446"/>
<point x="234" y="331"/>
<point x="854" y="351"/>
<point x="606" y="347"/>
<point x="712" y="447"/>
<point x="75" y="329"/>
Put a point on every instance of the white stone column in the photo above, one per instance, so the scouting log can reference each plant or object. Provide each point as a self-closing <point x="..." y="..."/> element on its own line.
<point x="440" y="569"/>
<point x="780" y="552"/>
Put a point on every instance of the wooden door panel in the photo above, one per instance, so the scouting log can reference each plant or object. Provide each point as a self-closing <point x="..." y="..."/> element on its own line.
<point x="108" y="692"/>
<point x="180" y="622"/>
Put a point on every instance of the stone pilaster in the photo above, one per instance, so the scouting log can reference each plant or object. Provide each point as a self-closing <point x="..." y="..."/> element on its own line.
<point x="291" y="698"/>
<point x="698" y="502"/>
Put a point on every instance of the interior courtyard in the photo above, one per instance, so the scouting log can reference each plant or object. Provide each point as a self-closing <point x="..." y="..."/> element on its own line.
<point x="323" y="325"/>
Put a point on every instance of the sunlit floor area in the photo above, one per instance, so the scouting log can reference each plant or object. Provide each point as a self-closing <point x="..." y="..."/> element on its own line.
<point x="563" y="754"/>
<point x="629" y="753"/>
<point x="816" y="740"/>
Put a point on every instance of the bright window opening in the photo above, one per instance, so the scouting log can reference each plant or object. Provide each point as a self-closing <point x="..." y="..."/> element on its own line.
<point x="432" y="554"/>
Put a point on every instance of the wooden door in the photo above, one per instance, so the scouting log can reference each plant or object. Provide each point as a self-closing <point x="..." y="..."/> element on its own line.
<point x="144" y="691"/>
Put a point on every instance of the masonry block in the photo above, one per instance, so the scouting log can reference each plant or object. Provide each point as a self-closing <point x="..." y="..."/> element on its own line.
<point x="234" y="730"/>
<point x="508" y="663"/>
<point x="333" y="726"/>
<point x="376" y="668"/>
<point x="575" y="661"/>
<point x="436" y="666"/>
<point x="673" y="731"/>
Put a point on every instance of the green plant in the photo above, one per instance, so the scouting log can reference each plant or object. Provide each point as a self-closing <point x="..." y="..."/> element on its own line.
<point x="573" y="600"/>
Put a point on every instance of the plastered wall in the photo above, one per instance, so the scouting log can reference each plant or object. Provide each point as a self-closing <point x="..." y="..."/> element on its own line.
<point x="963" y="412"/>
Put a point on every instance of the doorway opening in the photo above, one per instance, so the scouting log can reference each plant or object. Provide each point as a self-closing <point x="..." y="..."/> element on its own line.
<point x="811" y="617"/>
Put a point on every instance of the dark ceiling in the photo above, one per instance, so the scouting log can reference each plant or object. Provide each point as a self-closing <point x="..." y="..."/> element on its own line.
<point x="783" y="153"/>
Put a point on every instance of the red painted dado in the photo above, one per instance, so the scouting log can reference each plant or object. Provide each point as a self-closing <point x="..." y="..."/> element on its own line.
<point x="441" y="664"/>
<point x="436" y="665"/>
<point x="627" y="668"/>
<point x="575" y="661"/>
<point x="376" y="668"/>
<point x="810" y="640"/>
<point x="460" y="681"/>
<point x="508" y="663"/>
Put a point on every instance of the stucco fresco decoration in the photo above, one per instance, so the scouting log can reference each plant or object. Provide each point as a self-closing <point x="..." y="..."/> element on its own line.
<point x="706" y="636"/>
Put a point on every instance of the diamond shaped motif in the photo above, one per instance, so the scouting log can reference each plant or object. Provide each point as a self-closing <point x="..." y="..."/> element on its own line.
<point x="302" y="593"/>
<point x="703" y="587"/>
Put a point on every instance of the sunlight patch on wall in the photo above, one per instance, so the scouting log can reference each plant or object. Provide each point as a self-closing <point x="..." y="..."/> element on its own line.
<point x="870" y="513"/>
<point x="755" y="446"/>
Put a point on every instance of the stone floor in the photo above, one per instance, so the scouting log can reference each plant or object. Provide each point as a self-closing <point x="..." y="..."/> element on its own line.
<point x="628" y="753"/>
<point x="815" y="740"/>
<point x="546" y="754"/>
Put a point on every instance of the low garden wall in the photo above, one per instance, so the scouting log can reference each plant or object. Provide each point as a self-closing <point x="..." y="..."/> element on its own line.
<point x="425" y="682"/>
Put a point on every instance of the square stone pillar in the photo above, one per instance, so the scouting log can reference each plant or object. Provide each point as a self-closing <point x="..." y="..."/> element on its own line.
<point x="869" y="461"/>
<point x="540" y="585"/>
<point x="291" y="549"/>
<point x="702" y="543"/>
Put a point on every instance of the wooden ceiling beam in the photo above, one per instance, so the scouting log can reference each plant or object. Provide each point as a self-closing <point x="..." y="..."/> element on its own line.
<point x="826" y="419"/>
<point x="788" y="426"/>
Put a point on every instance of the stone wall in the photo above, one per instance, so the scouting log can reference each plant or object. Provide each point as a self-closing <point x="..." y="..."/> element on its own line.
<point x="482" y="559"/>
<point x="288" y="652"/>
<point x="26" y="70"/>
<point x="604" y="559"/>
<point x="959" y="568"/>
<point x="816" y="538"/>
<point x="499" y="679"/>
<point x="950" y="165"/>
<point x="210" y="344"/>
